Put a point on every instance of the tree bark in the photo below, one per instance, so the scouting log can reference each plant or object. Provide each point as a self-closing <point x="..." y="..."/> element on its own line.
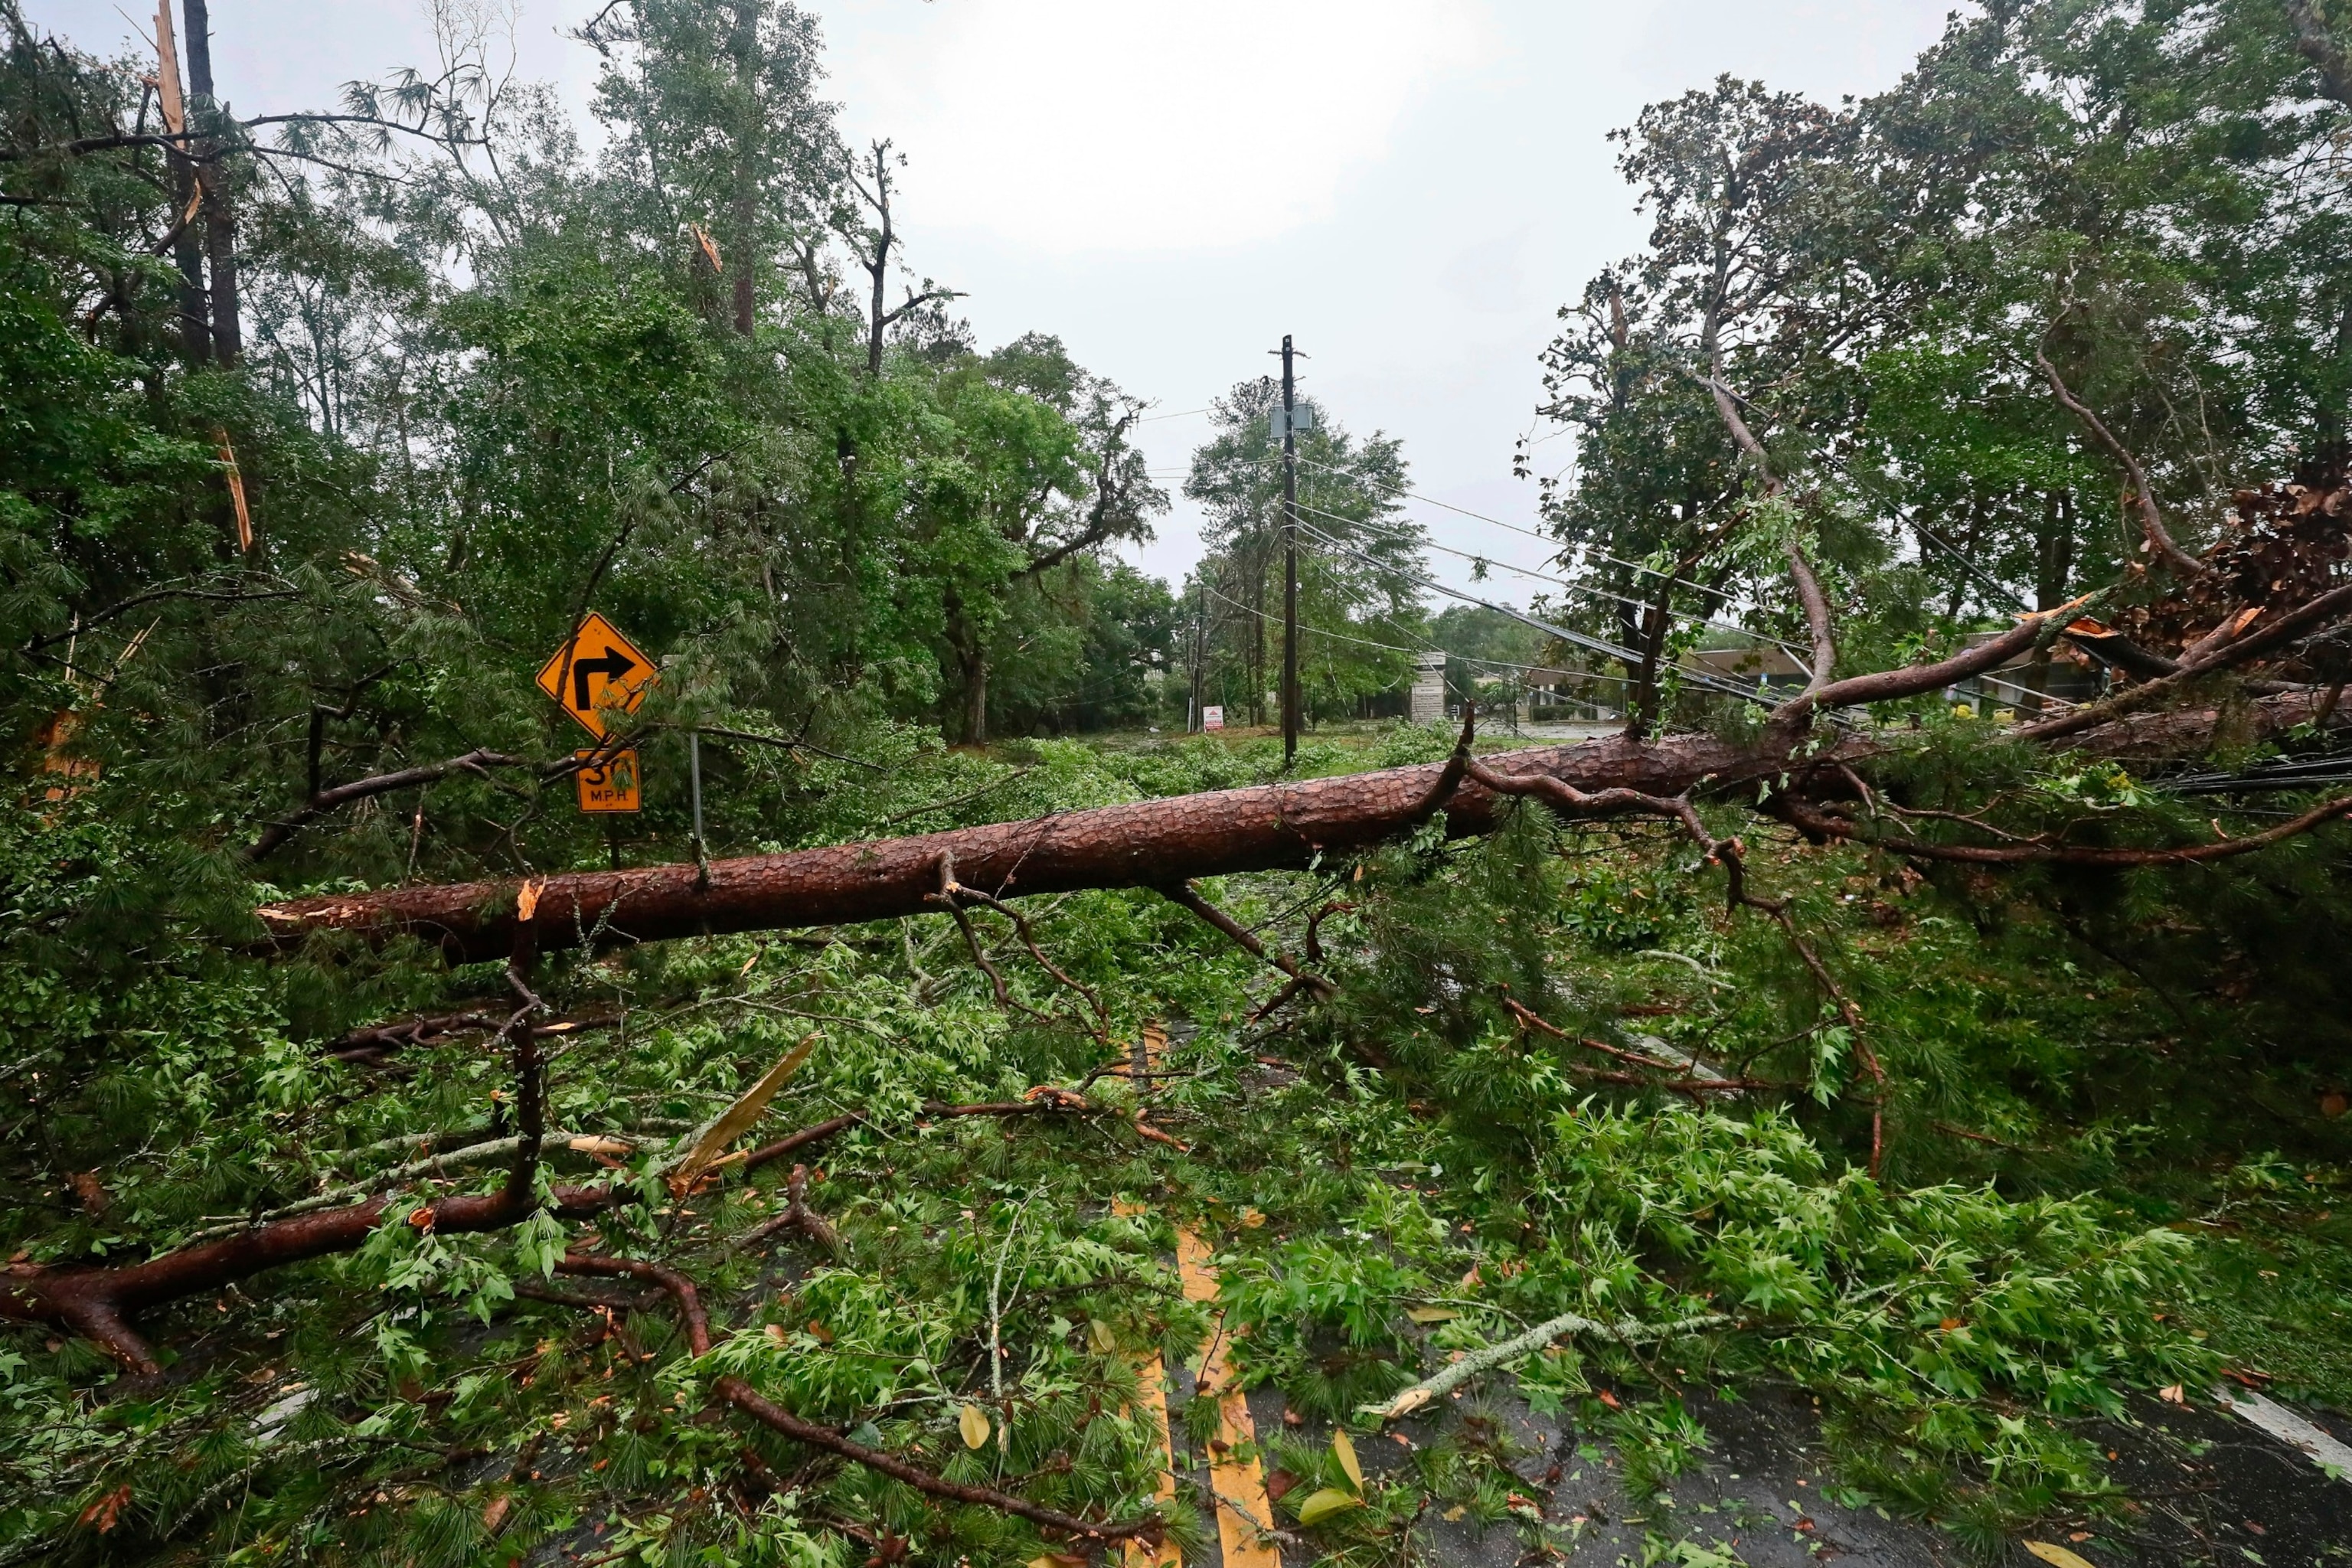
<point x="745" y="46"/>
<point x="1162" y="842"/>
<point x="220" y="218"/>
<point x="1157" y="843"/>
<point x="975" y="696"/>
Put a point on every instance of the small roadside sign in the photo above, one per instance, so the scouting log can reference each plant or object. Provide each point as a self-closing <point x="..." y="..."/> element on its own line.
<point x="609" y="783"/>
<point x="1213" y="717"/>
<point x="598" y="671"/>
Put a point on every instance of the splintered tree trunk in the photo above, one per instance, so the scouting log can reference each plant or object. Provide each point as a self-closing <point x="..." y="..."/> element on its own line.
<point x="188" y="256"/>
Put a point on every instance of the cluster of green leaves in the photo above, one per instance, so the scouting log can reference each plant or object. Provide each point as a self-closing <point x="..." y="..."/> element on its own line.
<point x="2149" y="200"/>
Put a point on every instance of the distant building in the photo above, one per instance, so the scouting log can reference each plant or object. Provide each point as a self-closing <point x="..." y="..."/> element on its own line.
<point x="1428" y="687"/>
<point x="1767" y="668"/>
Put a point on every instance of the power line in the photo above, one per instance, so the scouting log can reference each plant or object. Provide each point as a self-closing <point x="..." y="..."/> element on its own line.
<point x="1790" y="649"/>
<point x="1425" y="648"/>
<point x="1579" y="639"/>
<point x="1617" y="560"/>
<point x="2015" y="600"/>
<point x="1591" y="550"/>
<point x="1574" y="586"/>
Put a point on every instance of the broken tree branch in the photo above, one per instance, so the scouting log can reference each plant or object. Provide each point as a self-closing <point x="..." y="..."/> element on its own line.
<point x="1628" y="1332"/>
<point x="1186" y="896"/>
<point x="1817" y="617"/>
<point x="955" y="895"/>
<point x="736" y="1392"/>
<point x="2151" y="517"/>
<point x="98" y="1303"/>
<point x="797" y="1216"/>
<point x="2043" y="852"/>
<point x="2270" y="633"/>
<point x="322" y="801"/>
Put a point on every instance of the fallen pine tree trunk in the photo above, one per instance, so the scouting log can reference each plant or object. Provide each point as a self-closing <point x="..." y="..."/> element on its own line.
<point x="1148" y="844"/>
<point x="1152" y="843"/>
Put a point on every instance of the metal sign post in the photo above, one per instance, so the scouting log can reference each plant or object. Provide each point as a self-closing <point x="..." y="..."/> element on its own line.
<point x="694" y="772"/>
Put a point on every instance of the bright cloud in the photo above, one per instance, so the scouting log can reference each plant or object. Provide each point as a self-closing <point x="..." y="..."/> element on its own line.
<point x="1077" y="125"/>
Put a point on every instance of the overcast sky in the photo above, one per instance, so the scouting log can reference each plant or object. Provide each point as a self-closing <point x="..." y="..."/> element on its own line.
<point x="1410" y="187"/>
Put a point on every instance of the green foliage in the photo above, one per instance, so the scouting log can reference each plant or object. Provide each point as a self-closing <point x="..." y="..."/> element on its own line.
<point x="2071" y="1142"/>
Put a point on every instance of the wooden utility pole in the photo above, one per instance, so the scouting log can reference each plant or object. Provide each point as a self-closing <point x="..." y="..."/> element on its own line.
<point x="1199" y="647"/>
<point x="1289" y="556"/>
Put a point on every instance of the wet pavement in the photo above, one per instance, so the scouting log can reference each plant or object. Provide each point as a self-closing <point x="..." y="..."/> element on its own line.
<point x="2202" y="1488"/>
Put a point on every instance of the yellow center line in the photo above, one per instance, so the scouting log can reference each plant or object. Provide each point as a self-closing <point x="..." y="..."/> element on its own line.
<point x="1243" y="1510"/>
<point x="1235" y="1474"/>
<point x="1151" y="1382"/>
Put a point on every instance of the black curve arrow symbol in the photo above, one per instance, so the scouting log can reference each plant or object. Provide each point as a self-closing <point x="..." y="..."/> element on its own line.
<point x="613" y="666"/>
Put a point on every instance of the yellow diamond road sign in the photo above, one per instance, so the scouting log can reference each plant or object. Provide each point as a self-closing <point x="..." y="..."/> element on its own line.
<point x="597" y="673"/>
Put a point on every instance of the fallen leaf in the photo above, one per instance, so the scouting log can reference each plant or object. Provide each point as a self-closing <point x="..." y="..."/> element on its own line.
<point x="1251" y="1219"/>
<point x="90" y="1191"/>
<point x="2172" y="1394"/>
<point x="108" y="1508"/>
<point x="2058" y="1556"/>
<point x="1432" y="1314"/>
<point x="973" y="1424"/>
<point x="1100" y="1334"/>
<point x="1279" y="1484"/>
<point x="823" y="1335"/>
<point x="1454" y="1515"/>
<point x="1322" y="1505"/>
<point x="1343" y="1448"/>
<point x="495" y="1514"/>
<point x="1608" y="1398"/>
<point x="778" y="1335"/>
